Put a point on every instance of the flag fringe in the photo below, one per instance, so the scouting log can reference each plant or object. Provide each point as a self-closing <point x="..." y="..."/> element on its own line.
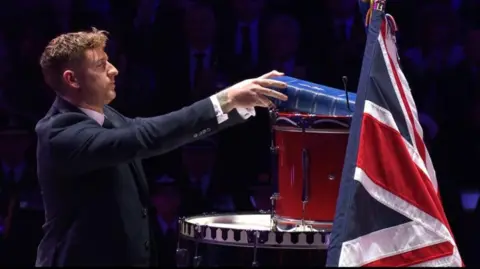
<point x="391" y="22"/>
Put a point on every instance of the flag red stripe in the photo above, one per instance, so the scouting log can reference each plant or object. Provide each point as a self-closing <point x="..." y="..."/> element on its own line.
<point x="387" y="162"/>
<point x="415" y="256"/>
<point x="416" y="139"/>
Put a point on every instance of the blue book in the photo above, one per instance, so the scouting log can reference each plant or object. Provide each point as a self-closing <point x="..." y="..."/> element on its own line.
<point x="311" y="98"/>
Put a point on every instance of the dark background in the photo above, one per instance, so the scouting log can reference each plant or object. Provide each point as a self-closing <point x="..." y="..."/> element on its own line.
<point x="152" y="43"/>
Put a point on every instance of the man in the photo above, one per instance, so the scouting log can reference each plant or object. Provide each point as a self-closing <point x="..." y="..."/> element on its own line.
<point x="95" y="193"/>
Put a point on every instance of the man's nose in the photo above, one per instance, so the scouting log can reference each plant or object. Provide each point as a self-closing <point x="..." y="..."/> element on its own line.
<point x="113" y="71"/>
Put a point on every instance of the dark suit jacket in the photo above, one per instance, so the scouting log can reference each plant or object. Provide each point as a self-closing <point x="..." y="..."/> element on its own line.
<point x="94" y="189"/>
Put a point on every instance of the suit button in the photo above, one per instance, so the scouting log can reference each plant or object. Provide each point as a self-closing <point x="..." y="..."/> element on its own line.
<point x="147" y="245"/>
<point x="195" y="135"/>
<point x="144" y="212"/>
<point x="208" y="130"/>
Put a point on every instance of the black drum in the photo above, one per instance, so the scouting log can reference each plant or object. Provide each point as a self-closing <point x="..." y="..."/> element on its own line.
<point x="247" y="240"/>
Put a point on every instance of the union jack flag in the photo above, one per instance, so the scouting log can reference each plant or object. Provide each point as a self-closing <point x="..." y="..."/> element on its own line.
<point x="388" y="212"/>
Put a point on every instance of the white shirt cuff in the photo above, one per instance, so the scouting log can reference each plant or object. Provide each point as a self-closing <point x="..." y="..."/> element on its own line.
<point x="245" y="113"/>
<point x="221" y="117"/>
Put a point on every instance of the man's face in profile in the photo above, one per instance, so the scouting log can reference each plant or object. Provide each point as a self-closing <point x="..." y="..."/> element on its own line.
<point x="97" y="77"/>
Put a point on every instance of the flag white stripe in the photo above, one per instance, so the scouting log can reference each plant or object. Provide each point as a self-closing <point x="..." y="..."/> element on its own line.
<point x="408" y="210"/>
<point x="387" y="49"/>
<point x="385" y="116"/>
<point x="386" y="243"/>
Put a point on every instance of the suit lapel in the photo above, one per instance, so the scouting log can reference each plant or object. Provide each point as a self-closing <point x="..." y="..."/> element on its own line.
<point x="135" y="166"/>
<point x="117" y="121"/>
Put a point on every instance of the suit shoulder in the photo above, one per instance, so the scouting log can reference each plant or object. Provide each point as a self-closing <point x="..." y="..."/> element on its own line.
<point x="56" y="122"/>
<point x="113" y="110"/>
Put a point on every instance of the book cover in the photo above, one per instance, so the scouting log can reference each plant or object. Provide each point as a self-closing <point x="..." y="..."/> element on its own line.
<point x="311" y="98"/>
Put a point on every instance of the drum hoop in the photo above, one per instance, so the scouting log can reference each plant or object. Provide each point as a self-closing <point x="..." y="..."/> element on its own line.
<point x="243" y="237"/>
<point x="311" y="121"/>
<point x="310" y="130"/>
<point x="216" y="214"/>
<point x="286" y="220"/>
<point x="310" y="115"/>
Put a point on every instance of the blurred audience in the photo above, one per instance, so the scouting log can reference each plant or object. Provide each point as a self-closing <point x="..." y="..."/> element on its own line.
<point x="173" y="52"/>
<point x="166" y="197"/>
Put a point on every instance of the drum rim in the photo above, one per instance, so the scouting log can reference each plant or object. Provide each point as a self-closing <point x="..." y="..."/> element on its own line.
<point x="275" y="216"/>
<point x="310" y="130"/>
<point x="216" y="214"/>
<point x="312" y="116"/>
<point x="186" y="228"/>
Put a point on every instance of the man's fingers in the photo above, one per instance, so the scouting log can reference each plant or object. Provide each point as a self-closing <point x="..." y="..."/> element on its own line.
<point x="271" y="74"/>
<point x="271" y="83"/>
<point x="271" y="93"/>
<point x="265" y="102"/>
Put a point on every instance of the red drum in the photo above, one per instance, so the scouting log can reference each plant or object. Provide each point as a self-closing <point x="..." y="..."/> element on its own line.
<point x="311" y="151"/>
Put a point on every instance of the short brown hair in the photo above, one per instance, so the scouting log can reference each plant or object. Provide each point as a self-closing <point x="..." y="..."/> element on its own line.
<point x="68" y="49"/>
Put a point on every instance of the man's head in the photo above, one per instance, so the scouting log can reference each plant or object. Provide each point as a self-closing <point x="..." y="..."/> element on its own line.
<point x="76" y="66"/>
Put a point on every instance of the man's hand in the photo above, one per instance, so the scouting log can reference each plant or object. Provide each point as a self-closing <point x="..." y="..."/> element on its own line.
<point x="252" y="92"/>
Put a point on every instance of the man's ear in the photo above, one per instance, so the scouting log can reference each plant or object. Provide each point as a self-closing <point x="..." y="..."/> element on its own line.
<point x="70" y="79"/>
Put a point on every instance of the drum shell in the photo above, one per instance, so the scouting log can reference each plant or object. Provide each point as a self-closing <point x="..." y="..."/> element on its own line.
<point x="325" y="140"/>
<point x="216" y="255"/>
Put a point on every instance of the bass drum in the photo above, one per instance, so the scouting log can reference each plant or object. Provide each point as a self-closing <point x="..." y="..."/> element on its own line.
<point x="246" y="240"/>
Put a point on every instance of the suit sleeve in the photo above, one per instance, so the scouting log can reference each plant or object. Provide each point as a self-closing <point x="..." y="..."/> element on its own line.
<point x="77" y="140"/>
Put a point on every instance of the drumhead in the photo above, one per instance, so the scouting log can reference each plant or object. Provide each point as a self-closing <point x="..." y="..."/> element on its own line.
<point x="248" y="230"/>
<point x="260" y="222"/>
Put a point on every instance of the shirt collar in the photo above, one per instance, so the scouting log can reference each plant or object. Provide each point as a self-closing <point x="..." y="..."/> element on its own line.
<point x="98" y="117"/>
